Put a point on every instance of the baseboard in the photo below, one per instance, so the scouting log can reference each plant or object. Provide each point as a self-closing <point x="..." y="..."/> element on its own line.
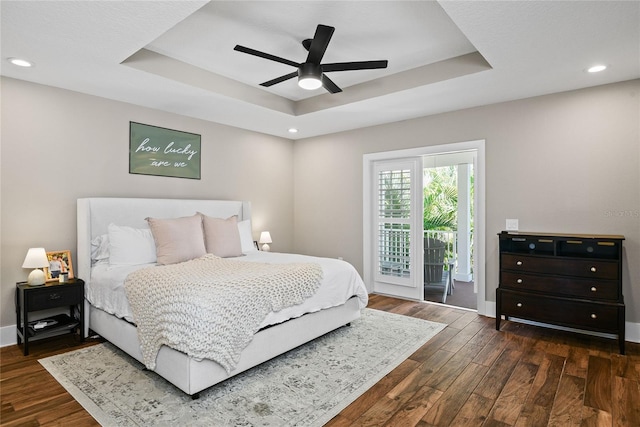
<point x="632" y="332"/>
<point x="8" y="335"/>
<point x="489" y="309"/>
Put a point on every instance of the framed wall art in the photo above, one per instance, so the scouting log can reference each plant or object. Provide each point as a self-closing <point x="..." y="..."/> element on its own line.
<point x="159" y="151"/>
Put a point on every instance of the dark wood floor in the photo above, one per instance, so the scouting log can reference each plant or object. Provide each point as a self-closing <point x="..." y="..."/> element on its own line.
<point x="469" y="374"/>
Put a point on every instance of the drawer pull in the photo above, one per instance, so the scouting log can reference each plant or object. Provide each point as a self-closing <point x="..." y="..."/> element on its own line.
<point x="519" y="304"/>
<point x="519" y="281"/>
<point x="593" y="269"/>
<point x="54" y="297"/>
<point x="593" y="316"/>
<point x="593" y="289"/>
<point x="518" y="262"/>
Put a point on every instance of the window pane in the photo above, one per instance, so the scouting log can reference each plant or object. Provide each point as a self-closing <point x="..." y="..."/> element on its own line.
<point x="394" y="194"/>
<point x="393" y="249"/>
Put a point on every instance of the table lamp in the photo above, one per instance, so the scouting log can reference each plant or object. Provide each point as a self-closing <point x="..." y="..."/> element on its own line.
<point x="36" y="258"/>
<point x="265" y="239"/>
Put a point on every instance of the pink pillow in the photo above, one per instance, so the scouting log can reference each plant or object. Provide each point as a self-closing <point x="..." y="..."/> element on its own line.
<point x="177" y="239"/>
<point x="221" y="236"/>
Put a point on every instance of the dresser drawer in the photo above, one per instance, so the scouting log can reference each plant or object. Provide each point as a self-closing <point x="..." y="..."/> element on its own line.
<point x="54" y="296"/>
<point x="601" y="317"/>
<point x="596" y="269"/>
<point x="557" y="285"/>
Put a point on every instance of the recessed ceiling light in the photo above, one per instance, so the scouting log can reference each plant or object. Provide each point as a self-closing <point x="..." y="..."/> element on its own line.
<point x="597" y="68"/>
<point x="293" y="130"/>
<point x="20" y="62"/>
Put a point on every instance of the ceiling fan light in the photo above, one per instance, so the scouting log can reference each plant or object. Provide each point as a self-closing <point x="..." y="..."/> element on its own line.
<point x="309" y="83"/>
<point x="309" y="76"/>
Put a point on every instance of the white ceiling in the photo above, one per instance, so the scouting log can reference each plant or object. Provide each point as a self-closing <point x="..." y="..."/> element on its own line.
<point x="178" y="56"/>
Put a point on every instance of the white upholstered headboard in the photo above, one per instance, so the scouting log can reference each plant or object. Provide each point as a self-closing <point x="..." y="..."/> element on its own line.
<point x="95" y="215"/>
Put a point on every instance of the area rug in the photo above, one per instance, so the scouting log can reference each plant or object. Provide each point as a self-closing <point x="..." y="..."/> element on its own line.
<point x="304" y="387"/>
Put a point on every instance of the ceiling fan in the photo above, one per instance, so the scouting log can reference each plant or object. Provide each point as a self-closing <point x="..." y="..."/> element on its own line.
<point x="311" y="73"/>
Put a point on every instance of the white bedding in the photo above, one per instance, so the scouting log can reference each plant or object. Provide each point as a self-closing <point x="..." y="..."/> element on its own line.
<point x="340" y="282"/>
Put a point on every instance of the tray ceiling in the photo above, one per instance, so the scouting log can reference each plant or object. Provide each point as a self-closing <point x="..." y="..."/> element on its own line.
<point x="178" y="56"/>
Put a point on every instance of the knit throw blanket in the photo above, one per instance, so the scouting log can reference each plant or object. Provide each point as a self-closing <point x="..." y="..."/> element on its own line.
<point x="210" y="307"/>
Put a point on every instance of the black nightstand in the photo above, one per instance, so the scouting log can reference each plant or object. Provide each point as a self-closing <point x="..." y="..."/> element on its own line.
<point x="50" y="295"/>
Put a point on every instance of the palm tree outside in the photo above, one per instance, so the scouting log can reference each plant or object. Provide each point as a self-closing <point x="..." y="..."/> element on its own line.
<point x="440" y="213"/>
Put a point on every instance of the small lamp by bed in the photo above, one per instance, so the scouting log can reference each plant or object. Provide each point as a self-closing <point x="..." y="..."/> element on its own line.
<point x="265" y="239"/>
<point x="36" y="258"/>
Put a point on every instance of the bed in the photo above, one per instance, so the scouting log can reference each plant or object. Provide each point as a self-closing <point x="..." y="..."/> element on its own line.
<point x="337" y="301"/>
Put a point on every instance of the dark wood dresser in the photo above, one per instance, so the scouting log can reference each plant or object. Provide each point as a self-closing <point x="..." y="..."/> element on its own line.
<point x="570" y="280"/>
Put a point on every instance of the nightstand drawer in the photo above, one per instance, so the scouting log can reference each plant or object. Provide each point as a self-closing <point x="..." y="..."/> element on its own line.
<point x="596" y="269"/>
<point x="55" y="296"/>
<point x="561" y="311"/>
<point x="556" y="285"/>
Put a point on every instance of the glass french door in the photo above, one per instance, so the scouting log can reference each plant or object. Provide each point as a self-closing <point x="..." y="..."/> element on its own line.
<point x="397" y="228"/>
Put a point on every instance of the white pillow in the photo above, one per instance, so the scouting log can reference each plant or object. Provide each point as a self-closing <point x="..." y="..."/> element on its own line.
<point x="100" y="249"/>
<point x="130" y="246"/>
<point x="177" y="239"/>
<point x="246" y="237"/>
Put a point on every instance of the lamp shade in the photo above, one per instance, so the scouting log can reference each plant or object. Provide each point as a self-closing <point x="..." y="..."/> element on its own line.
<point x="36" y="258"/>
<point x="265" y="239"/>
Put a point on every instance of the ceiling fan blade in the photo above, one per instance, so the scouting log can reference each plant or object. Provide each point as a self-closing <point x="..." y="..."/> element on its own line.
<point x="319" y="43"/>
<point x="265" y="55"/>
<point x="280" y="79"/>
<point x="360" y="65"/>
<point x="330" y="85"/>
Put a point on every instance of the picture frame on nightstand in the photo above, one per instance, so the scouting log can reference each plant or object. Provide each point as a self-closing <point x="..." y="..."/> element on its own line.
<point x="60" y="266"/>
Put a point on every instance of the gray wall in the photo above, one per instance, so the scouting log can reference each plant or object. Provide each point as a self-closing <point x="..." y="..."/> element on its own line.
<point x="58" y="146"/>
<point x="567" y="162"/>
